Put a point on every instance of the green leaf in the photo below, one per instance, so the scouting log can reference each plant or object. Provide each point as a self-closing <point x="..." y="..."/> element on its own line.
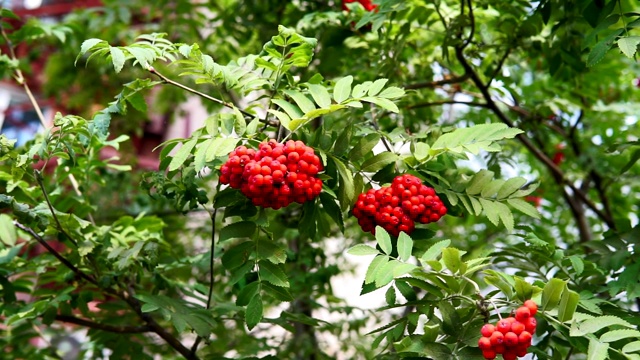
<point x="510" y="186"/>
<point x="379" y="161"/>
<point x="568" y="305"/>
<point x="347" y="188"/>
<point x="8" y="233"/>
<point x="362" y="249"/>
<point x="474" y="138"/>
<point x="452" y="259"/>
<point x="435" y="250"/>
<point x="269" y="250"/>
<point x="301" y="100"/>
<point x="8" y="254"/>
<point x="253" y="313"/>
<point x="342" y="89"/>
<point x="87" y="45"/>
<point x="117" y="58"/>
<point x="247" y="293"/>
<point x="385" y="275"/>
<point x="182" y="154"/>
<point x="292" y="110"/>
<point x="629" y="45"/>
<point x="551" y="293"/>
<point x="596" y="324"/>
<point x="237" y="255"/>
<point x="377" y="85"/>
<point x="631" y="347"/>
<point x="597" y="350"/>
<point x="383" y="103"/>
<point x="598" y="52"/>
<point x="240" y="229"/>
<point x="491" y="189"/>
<point x="524" y="207"/>
<point x="277" y="292"/>
<point x="524" y="290"/>
<point x="391" y="92"/>
<point x="390" y="296"/>
<point x="320" y="95"/>
<point x="479" y="181"/>
<point x="273" y="274"/>
<point x="577" y="264"/>
<point x="384" y="240"/>
<point x="491" y="211"/>
<point x="372" y="270"/>
<point x="405" y="246"/>
<point x="364" y="147"/>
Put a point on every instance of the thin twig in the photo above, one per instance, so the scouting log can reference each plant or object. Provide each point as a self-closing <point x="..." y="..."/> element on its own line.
<point x="377" y="128"/>
<point x="437" y="83"/>
<point x="201" y="94"/>
<point x="199" y="339"/>
<point x="445" y="102"/>
<point x="124" y="329"/>
<point x="56" y="254"/>
<point x="20" y="78"/>
<point x="53" y="211"/>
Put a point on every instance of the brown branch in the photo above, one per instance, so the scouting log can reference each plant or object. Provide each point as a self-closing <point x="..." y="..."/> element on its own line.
<point x="526" y="141"/>
<point x="194" y="347"/>
<point x="201" y="94"/>
<point x="125" y="329"/>
<point x="133" y="303"/>
<point x="437" y="83"/>
<point x="445" y="102"/>
<point x="51" y="209"/>
<point x="56" y="254"/>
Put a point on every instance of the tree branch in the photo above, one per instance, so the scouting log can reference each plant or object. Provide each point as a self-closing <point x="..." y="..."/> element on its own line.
<point x="201" y="94"/>
<point x="152" y="324"/>
<point x="53" y="212"/>
<point x="445" y="102"/>
<point x="194" y="347"/>
<point x="56" y="254"/>
<point x="104" y="327"/>
<point x="526" y="141"/>
<point x="437" y="83"/>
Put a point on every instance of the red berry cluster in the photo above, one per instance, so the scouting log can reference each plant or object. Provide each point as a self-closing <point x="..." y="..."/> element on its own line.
<point x="275" y="175"/>
<point x="365" y="3"/>
<point x="398" y="207"/>
<point x="511" y="336"/>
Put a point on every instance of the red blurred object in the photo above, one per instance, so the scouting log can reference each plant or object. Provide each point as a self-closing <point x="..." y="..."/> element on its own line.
<point x="535" y="200"/>
<point x="365" y="3"/>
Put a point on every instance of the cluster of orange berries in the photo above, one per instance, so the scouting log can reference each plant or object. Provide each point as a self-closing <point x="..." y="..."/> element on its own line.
<point x="510" y="337"/>
<point x="275" y="175"/>
<point x="398" y="207"/>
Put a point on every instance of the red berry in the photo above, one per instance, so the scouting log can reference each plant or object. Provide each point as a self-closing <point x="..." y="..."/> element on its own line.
<point x="532" y="306"/>
<point x="509" y="356"/>
<point x="522" y="313"/>
<point x="489" y="354"/>
<point x="503" y="326"/>
<point x="530" y="324"/>
<point x="510" y="339"/>
<point x="517" y="327"/>
<point x="487" y="330"/>
<point x="484" y="343"/>
<point x="497" y="338"/>
<point x="525" y="338"/>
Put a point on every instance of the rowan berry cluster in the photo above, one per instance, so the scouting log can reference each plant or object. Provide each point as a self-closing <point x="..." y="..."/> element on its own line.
<point x="510" y="337"/>
<point x="275" y="175"/>
<point x="397" y="207"/>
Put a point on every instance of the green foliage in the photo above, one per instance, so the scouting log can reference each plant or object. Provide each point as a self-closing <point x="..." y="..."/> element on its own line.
<point x="496" y="105"/>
